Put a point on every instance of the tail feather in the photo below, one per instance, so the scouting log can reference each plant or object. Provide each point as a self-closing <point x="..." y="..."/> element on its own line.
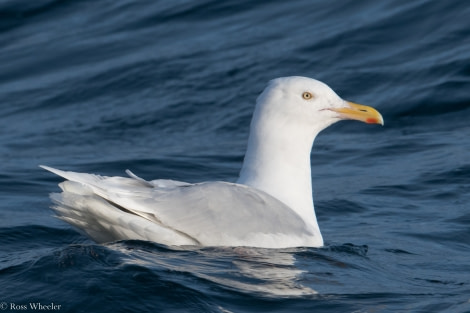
<point x="84" y="204"/>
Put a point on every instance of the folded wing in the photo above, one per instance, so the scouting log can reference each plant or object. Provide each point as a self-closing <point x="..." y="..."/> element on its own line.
<point x="177" y="213"/>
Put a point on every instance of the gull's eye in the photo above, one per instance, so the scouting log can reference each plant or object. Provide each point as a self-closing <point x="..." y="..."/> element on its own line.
<point x="307" y="95"/>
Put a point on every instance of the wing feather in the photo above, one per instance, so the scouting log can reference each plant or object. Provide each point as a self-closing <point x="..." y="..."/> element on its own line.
<point x="211" y="213"/>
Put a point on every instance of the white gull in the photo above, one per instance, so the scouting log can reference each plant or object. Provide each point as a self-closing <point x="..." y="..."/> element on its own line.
<point x="270" y="206"/>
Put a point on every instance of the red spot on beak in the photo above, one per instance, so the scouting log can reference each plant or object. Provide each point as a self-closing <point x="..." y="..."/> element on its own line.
<point x="372" y="121"/>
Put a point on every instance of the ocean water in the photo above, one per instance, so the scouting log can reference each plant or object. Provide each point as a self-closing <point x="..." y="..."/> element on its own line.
<point x="167" y="89"/>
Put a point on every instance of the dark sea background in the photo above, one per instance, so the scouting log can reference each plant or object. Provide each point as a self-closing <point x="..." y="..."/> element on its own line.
<point x="167" y="88"/>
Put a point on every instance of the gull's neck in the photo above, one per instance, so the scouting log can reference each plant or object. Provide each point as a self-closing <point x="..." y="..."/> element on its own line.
<point x="277" y="161"/>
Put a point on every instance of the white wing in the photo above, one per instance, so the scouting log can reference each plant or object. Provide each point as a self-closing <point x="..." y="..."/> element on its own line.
<point x="177" y="213"/>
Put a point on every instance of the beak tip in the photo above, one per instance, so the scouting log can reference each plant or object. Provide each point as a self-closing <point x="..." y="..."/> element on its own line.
<point x="360" y="112"/>
<point x="380" y="121"/>
<point x="374" y="121"/>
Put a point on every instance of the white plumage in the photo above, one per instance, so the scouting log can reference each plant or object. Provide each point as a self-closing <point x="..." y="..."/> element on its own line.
<point x="270" y="206"/>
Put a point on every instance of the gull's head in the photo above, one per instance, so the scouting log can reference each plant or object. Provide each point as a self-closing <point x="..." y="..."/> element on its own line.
<point x="309" y="104"/>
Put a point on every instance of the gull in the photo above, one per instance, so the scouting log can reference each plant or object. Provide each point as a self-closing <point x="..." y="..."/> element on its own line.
<point x="269" y="206"/>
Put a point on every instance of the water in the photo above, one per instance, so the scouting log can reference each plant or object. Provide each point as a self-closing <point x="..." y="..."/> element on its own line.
<point x="167" y="89"/>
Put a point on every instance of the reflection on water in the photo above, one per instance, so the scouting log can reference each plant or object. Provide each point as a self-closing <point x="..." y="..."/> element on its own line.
<point x="266" y="272"/>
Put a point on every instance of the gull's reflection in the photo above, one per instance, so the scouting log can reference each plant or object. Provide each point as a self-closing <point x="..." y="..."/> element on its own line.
<point x="273" y="272"/>
<point x="265" y="272"/>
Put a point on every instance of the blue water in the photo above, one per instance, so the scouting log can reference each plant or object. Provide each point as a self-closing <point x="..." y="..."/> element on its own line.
<point x="167" y="88"/>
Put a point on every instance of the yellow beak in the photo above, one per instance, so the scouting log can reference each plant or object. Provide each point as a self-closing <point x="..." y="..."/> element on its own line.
<point x="360" y="112"/>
